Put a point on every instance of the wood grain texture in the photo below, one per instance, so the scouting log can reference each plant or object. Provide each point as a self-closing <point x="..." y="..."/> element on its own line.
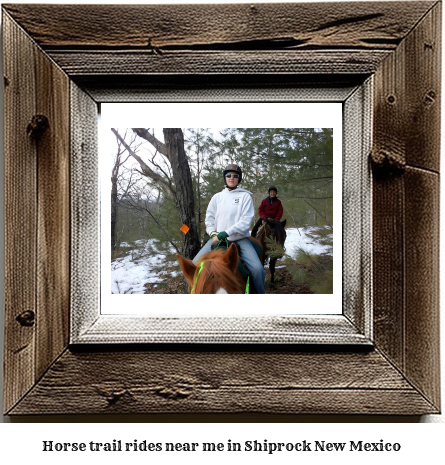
<point x="53" y="226"/>
<point x="388" y="268"/>
<point x="165" y="39"/>
<point x="40" y="280"/>
<point x="129" y="63"/>
<point x="377" y="25"/>
<point x="113" y="329"/>
<point x="357" y="209"/>
<point x="389" y="145"/>
<point x="406" y="208"/>
<point x="84" y="205"/>
<point x="422" y="364"/>
<point x="20" y="213"/>
<point x="407" y="113"/>
<point x="222" y="382"/>
<point x="218" y="87"/>
<point x="423" y="92"/>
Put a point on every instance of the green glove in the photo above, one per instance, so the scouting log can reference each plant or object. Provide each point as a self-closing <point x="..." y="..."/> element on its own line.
<point x="222" y="235"/>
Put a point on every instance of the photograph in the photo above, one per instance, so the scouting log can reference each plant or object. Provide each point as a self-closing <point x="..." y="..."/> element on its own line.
<point x="271" y="186"/>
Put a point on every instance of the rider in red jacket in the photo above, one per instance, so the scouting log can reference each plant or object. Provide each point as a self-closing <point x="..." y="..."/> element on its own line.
<point x="270" y="207"/>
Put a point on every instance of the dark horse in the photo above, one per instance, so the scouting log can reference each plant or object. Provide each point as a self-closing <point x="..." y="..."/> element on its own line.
<point x="217" y="272"/>
<point x="275" y="231"/>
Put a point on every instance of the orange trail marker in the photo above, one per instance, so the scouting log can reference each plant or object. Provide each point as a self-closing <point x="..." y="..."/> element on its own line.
<point x="185" y="229"/>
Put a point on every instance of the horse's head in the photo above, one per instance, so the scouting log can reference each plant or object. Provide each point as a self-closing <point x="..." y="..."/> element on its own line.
<point x="215" y="273"/>
<point x="275" y="230"/>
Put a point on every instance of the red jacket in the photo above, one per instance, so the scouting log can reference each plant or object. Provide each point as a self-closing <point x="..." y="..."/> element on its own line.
<point x="274" y="211"/>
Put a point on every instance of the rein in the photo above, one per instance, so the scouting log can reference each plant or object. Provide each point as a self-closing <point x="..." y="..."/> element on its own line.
<point x="201" y="266"/>
<point x="197" y="276"/>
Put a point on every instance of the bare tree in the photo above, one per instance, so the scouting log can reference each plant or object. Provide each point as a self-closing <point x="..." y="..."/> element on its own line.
<point x="138" y="200"/>
<point x="115" y="174"/>
<point x="171" y="172"/>
<point x="185" y="202"/>
<point x="164" y="179"/>
<point x="197" y="146"/>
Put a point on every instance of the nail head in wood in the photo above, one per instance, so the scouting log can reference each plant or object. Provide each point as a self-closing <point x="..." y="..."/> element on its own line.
<point x="430" y="97"/>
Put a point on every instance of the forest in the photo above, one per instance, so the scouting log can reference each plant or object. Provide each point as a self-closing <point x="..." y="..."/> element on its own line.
<point x="162" y="179"/>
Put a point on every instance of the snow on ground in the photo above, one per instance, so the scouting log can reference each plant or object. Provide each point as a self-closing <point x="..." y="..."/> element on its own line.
<point x="297" y="238"/>
<point x="145" y="265"/>
<point x="140" y="266"/>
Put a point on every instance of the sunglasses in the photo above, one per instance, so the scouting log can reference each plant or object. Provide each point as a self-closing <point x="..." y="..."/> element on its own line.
<point x="236" y="176"/>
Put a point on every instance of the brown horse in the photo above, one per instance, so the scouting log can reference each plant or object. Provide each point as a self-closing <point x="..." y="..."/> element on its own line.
<point x="275" y="231"/>
<point x="215" y="273"/>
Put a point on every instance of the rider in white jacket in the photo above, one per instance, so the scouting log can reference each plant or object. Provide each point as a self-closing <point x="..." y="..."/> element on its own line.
<point x="229" y="216"/>
<point x="230" y="211"/>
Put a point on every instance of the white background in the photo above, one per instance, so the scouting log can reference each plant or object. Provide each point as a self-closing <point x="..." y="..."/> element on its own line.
<point x="21" y="441"/>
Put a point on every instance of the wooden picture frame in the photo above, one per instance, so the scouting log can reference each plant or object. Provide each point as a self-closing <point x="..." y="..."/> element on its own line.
<point x="56" y="72"/>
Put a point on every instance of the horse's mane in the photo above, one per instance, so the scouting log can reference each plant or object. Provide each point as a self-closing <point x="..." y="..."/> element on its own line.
<point x="261" y="233"/>
<point x="216" y="274"/>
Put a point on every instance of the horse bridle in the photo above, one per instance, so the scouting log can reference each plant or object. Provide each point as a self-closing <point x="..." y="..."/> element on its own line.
<point x="197" y="276"/>
<point x="201" y="266"/>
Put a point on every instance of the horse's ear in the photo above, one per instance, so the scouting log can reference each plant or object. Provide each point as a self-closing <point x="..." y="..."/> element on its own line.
<point x="231" y="257"/>
<point x="283" y="223"/>
<point x="187" y="267"/>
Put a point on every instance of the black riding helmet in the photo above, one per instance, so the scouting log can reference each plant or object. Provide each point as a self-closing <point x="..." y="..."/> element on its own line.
<point x="273" y="188"/>
<point x="235" y="168"/>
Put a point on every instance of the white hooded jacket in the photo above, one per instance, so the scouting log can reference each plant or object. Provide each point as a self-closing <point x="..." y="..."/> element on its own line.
<point x="232" y="212"/>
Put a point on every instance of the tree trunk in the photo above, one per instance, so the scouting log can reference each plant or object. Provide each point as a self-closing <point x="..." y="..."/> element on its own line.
<point x="198" y="188"/>
<point x="113" y="213"/>
<point x="184" y="199"/>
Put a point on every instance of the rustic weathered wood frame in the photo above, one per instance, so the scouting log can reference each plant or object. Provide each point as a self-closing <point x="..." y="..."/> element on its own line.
<point x="76" y="56"/>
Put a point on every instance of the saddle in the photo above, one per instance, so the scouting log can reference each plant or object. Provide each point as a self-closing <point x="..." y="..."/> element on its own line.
<point x="242" y="268"/>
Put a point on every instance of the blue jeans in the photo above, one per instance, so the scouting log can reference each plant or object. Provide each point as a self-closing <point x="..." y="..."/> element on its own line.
<point x="250" y="258"/>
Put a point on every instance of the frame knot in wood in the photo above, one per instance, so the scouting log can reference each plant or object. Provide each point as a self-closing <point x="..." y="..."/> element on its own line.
<point x="172" y="393"/>
<point x="37" y="126"/>
<point x="26" y="318"/>
<point x="386" y="162"/>
<point x="113" y="396"/>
